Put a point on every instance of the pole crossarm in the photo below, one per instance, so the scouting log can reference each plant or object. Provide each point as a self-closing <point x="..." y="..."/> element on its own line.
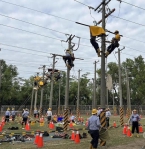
<point x="99" y="5"/>
<point x="107" y="15"/>
<point x="105" y="4"/>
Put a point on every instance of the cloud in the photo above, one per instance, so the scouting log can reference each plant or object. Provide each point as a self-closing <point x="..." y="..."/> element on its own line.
<point x="28" y="64"/>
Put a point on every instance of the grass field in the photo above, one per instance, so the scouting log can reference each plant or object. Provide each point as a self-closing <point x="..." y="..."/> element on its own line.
<point x="117" y="139"/>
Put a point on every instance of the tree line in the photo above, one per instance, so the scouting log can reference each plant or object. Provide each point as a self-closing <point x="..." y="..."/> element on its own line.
<point x="15" y="90"/>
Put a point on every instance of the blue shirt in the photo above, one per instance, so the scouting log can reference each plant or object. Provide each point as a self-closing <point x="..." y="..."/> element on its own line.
<point x="25" y="114"/>
<point x="94" y="123"/>
<point x="134" y="118"/>
<point x="13" y="113"/>
<point x="7" y="113"/>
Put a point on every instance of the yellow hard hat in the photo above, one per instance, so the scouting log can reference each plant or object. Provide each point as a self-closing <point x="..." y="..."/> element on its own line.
<point x="8" y="109"/>
<point x="13" y="109"/>
<point x="94" y="111"/>
<point x="49" y="109"/>
<point x="134" y="110"/>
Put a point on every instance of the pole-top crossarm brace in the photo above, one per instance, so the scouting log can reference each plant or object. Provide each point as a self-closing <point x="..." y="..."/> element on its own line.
<point x="107" y="15"/>
<point x="105" y="4"/>
<point x="99" y="5"/>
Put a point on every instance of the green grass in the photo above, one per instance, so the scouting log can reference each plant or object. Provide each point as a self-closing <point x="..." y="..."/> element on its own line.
<point x="116" y="138"/>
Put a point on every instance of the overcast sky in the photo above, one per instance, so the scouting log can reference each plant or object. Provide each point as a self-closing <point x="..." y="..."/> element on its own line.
<point x="39" y="47"/>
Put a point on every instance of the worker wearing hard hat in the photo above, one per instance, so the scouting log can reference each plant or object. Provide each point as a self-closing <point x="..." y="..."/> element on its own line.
<point x="114" y="43"/>
<point x="134" y="119"/>
<point x="13" y="113"/>
<point x="49" y="115"/>
<point x="7" y="115"/>
<point x="94" y="126"/>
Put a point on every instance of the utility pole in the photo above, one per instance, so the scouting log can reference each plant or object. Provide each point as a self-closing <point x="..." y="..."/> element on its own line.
<point x="103" y="80"/>
<point x="36" y="90"/>
<point x="93" y="93"/>
<point x="128" y="95"/>
<point x="0" y="74"/>
<point x="59" y="98"/>
<point x="42" y="89"/>
<point x="32" y="98"/>
<point x="51" y="90"/>
<point x="70" y="47"/>
<point x="94" y="90"/>
<point x="120" y="89"/>
<point x="67" y="89"/>
<point x="78" y="96"/>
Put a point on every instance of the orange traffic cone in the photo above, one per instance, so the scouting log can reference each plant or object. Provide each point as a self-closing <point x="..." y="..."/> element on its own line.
<point x="40" y="141"/>
<point x="140" y="129"/>
<point x="128" y="132"/>
<point x="124" y="129"/>
<point x="36" y="138"/>
<point x="27" y="127"/>
<point x="73" y="136"/>
<point x="52" y="125"/>
<point x="114" y="124"/>
<point x="71" y="124"/>
<point x="1" y="128"/>
<point x="77" y="137"/>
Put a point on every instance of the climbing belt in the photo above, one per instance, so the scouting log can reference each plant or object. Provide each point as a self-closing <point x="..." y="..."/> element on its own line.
<point x="65" y="119"/>
<point x="121" y="116"/>
<point x="103" y="124"/>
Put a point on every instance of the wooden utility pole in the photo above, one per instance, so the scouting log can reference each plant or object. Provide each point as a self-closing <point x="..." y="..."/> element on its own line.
<point x="42" y="89"/>
<point x="78" y="96"/>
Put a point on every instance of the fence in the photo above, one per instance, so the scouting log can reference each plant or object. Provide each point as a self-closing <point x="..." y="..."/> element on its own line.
<point x="83" y="108"/>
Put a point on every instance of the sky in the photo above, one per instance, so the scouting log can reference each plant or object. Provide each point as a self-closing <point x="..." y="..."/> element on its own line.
<point x="34" y="33"/>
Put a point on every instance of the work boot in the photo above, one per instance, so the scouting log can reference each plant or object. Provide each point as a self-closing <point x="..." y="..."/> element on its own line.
<point x="91" y="147"/>
<point x="137" y="135"/>
<point x="106" y="54"/>
<point x="98" y="52"/>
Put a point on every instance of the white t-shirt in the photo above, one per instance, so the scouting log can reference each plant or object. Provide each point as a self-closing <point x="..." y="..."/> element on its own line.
<point x="72" y="117"/>
<point x="108" y="113"/>
<point x="49" y="113"/>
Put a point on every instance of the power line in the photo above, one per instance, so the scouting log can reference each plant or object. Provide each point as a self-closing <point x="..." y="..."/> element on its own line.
<point x="37" y="11"/>
<point x="128" y="20"/>
<point x="39" y="34"/>
<point x="131" y="4"/>
<point x="63" y="32"/>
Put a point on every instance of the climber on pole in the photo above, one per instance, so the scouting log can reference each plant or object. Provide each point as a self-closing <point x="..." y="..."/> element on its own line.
<point x="114" y="43"/>
<point x="96" y="31"/>
<point x="69" y="58"/>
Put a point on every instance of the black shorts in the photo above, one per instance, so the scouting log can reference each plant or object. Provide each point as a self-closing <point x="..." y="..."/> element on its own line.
<point x="49" y="118"/>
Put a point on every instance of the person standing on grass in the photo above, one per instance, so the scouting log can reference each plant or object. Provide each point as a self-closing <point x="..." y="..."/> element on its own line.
<point x="13" y="113"/>
<point x="35" y="112"/>
<point x="49" y="115"/>
<point x="94" y="126"/>
<point x="134" y="119"/>
<point x="7" y="115"/>
<point x="108" y="114"/>
<point x="25" y="116"/>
